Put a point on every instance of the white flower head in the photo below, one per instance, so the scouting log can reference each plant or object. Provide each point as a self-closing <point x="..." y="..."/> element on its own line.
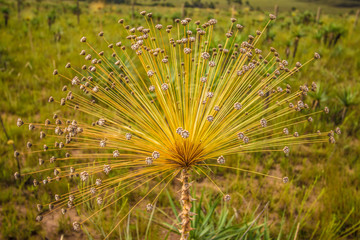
<point x="116" y="153"/>
<point x="84" y="176"/>
<point x="155" y="154"/>
<point x="237" y="106"/>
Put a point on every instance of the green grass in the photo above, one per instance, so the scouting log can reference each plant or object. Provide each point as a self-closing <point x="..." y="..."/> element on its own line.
<point x="322" y="197"/>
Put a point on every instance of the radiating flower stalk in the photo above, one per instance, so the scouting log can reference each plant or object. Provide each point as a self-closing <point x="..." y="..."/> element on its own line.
<point x="165" y="102"/>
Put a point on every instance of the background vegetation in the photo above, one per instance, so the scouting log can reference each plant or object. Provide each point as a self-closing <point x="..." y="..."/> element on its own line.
<point x="322" y="200"/>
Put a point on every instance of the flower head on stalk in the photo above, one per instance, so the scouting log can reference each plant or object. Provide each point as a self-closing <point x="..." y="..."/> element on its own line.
<point x="162" y="102"/>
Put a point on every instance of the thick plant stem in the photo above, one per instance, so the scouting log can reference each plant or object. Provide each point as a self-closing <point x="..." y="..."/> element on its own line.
<point x="185" y="200"/>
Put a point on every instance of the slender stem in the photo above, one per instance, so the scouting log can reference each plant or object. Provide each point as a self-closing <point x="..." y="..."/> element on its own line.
<point x="185" y="200"/>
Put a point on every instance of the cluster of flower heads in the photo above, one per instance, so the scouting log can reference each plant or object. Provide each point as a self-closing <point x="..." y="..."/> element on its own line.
<point x="230" y="97"/>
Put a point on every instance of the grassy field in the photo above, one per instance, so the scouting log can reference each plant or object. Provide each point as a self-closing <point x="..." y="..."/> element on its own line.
<point x="322" y="200"/>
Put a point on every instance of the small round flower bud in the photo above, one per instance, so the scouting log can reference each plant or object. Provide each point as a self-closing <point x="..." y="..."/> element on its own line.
<point x="210" y="118"/>
<point x="301" y="104"/>
<point x="128" y="136"/>
<point x="184" y="22"/>
<point x="221" y="160"/>
<point x="164" y="86"/>
<point x="63" y="211"/>
<point x="179" y="130"/>
<point x="76" y="226"/>
<point x="286" y="131"/>
<point x="39" y="207"/>
<point x="150" y="73"/>
<point x="239" y="26"/>
<point x="116" y="153"/>
<point x="285" y="179"/>
<point x="326" y="110"/>
<point x="227" y="198"/>
<point x="212" y="64"/>
<point x="185" y="134"/>
<point x="263" y="122"/>
<point x="52" y="159"/>
<point x="84" y="176"/>
<point x="237" y="106"/>
<point x="286" y="150"/>
<point x="98" y="182"/>
<point x="57" y="197"/>
<point x="96" y="89"/>
<point x="149" y="160"/>
<point x="272" y="16"/>
<point x="316" y="55"/>
<point x="88" y="57"/>
<point x="35" y="182"/>
<point x="39" y="218"/>
<point x="155" y="154"/>
<point x="19" y="122"/>
<point x="99" y="200"/>
<point x="149" y="207"/>
<point x="31" y="126"/>
<point x="187" y="50"/>
<point x="102" y="143"/>
<point x="205" y="55"/>
<point x="338" y="131"/>
<point x="107" y="169"/>
<point x="93" y="191"/>
<point x="240" y="135"/>
<point x="47" y="122"/>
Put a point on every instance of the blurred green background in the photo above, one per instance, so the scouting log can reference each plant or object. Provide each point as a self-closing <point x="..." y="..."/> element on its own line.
<point x="322" y="200"/>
